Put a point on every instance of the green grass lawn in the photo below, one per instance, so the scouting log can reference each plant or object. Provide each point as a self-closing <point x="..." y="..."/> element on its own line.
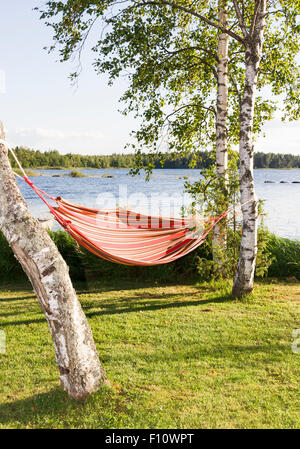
<point x="177" y="356"/>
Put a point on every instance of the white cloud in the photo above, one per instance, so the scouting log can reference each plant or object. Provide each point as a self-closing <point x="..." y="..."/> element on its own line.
<point x="78" y="141"/>
<point x="46" y="133"/>
<point x="280" y="137"/>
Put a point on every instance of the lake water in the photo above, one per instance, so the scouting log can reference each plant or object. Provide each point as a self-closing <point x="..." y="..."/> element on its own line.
<point x="163" y="194"/>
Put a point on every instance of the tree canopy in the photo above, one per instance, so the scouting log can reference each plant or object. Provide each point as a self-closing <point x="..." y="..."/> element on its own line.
<point x="168" y="52"/>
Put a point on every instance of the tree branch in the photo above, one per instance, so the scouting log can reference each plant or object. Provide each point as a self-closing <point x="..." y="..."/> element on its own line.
<point x="240" y="18"/>
<point x="273" y="12"/>
<point x="204" y="62"/>
<point x="253" y="23"/>
<point x="210" y="108"/>
<point x="171" y="53"/>
<point x="195" y="14"/>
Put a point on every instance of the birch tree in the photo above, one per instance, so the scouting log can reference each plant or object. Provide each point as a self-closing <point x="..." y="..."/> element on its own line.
<point x="135" y="43"/>
<point x="253" y="42"/>
<point x="75" y="352"/>
<point x="220" y="230"/>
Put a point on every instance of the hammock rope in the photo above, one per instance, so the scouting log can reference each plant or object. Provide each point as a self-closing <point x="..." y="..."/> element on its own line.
<point x="123" y="236"/>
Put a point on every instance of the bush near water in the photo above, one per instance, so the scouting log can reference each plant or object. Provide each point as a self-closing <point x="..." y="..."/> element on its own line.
<point x="277" y="257"/>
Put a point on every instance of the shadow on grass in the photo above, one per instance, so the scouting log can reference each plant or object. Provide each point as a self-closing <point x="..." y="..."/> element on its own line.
<point x="157" y="302"/>
<point x="101" y="287"/>
<point x="108" y="409"/>
<point x="22" y="322"/>
<point x="2" y="300"/>
<point x="56" y="409"/>
<point x="16" y="312"/>
<point x="112" y="308"/>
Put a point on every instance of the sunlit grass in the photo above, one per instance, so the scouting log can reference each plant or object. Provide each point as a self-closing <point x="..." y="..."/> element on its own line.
<point x="180" y="356"/>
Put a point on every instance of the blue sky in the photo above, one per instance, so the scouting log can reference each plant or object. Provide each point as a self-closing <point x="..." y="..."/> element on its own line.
<point x="40" y="108"/>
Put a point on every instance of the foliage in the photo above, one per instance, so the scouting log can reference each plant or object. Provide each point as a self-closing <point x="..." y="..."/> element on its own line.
<point x="168" y="52"/>
<point x="9" y="266"/>
<point x="70" y="251"/>
<point x="53" y="159"/>
<point x="286" y="257"/>
<point x="276" y="257"/>
<point x="178" y="356"/>
<point x="272" y="160"/>
<point x="265" y="256"/>
<point x="205" y="159"/>
<point x="208" y="269"/>
<point x="215" y="192"/>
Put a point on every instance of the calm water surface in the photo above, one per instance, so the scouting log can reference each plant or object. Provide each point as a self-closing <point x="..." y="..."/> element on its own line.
<point x="282" y="200"/>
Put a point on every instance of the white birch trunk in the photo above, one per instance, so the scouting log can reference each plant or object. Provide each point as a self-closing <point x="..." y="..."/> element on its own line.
<point x="220" y="230"/>
<point x="243" y="282"/>
<point x="75" y="351"/>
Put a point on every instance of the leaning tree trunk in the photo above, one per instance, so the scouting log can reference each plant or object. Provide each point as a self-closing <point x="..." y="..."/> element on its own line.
<point x="220" y="230"/>
<point x="243" y="282"/>
<point x="75" y="351"/>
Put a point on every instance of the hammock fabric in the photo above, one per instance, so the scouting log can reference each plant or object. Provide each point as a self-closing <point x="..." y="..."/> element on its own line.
<point x="125" y="237"/>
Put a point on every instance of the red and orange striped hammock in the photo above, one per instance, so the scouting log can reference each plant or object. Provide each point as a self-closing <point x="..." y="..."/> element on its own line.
<point x="126" y="237"/>
<point x="123" y="236"/>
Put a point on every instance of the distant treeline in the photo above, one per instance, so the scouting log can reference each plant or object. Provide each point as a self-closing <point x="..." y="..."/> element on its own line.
<point x="272" y="160"/>
<point x="53" y="159"/>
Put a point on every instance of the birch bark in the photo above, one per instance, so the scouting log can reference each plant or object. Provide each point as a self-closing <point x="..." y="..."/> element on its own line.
<point x="75" y="352"/>
<point x="243" y="282"/>
<point x="220" y="230"/>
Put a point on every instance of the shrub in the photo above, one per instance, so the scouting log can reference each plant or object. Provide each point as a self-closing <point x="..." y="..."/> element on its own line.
<point x="70" y="251"/>
<point x="77" y="174"/>
<point x="9" y="266"/>
<point x="277" y="257"/>
<point x="286" y="257"/>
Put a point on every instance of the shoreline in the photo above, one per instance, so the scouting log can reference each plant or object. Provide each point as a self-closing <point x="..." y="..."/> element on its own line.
<point x="129" y="168"/>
